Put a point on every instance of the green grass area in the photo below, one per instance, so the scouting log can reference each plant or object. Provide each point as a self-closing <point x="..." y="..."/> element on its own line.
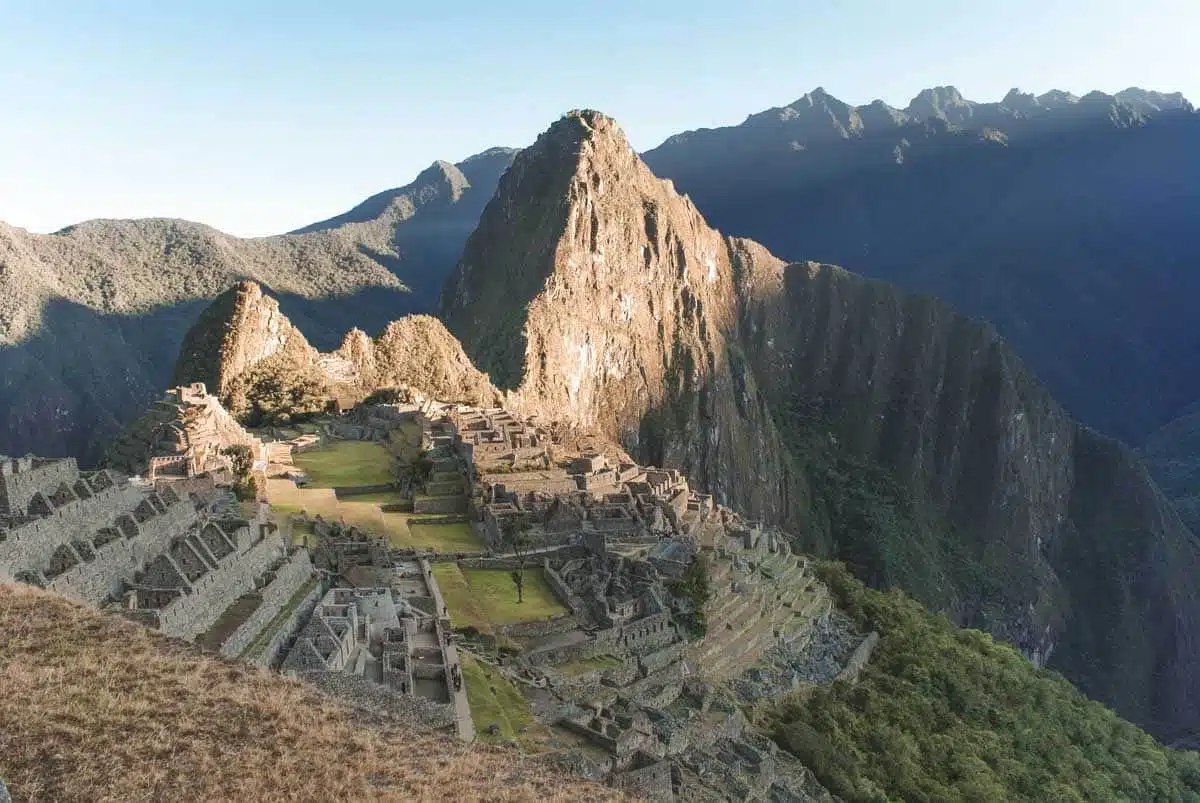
<point x="451" y="537"/>
<point x="592" y="664"/>
<point x="485" y="598"/>
<point x="943" y="713"/>
<point x="341" y="464"/>
<point x="259" y="644"/>
<point x="505" y="706"/>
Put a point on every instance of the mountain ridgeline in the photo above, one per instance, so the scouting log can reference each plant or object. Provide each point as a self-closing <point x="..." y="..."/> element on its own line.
<point x="1065" y="221"/>
<point x="92" y="317"/>
<point x="883" y="428"/>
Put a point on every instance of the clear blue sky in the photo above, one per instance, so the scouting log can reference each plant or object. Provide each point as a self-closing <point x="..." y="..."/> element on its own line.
<point x="258" y="117"/>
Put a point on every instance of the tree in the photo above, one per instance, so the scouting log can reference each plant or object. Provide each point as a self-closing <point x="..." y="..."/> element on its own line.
<point x="693" y="586"/>
<point x="278" y="391"/>
<point x="516" y="539"/>
<point x="241" y="460"/>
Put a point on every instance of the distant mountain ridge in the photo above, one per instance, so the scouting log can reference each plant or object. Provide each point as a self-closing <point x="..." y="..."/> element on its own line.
<point x="1066" y="221"/>
<point x="818" y="114"/>
<point x="92" y="317"/>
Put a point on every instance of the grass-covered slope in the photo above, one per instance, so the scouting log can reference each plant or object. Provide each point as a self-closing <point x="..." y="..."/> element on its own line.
<point x="93" y="708"/>
<point x="942" y="713"/>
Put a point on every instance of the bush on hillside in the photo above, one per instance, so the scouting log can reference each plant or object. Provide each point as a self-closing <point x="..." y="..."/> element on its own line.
<point x="278" y="391"/>
<point x="943" y="713"/>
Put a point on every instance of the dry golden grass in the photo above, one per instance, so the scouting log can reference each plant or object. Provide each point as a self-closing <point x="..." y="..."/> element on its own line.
<point x="99" y="709"/>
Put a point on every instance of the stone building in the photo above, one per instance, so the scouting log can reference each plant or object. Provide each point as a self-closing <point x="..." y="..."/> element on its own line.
<point x="181" y="436"/>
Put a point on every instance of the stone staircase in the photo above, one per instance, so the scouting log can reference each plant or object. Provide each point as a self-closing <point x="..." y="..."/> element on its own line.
<point x="759" y="596"/>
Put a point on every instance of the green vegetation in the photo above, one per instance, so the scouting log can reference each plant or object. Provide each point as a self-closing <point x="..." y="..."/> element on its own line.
<point x="591" y="664"/>
<point x="241" y="460"/>
<point x="947" y="714"/>
<point x="345" y="464"/>
<point x="278" y="390"/>
<point x="483" y="598"/>
<point x="388" y="396"/>
<point x="495" y="700"/>
<point x="450" y="537"/>
<point x="694" y="587"/>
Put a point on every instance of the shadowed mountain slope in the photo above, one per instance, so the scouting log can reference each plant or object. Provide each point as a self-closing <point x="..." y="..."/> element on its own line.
<point x="884" y="428"/>
<point x="93" y="317"/>
<point x="1065" y="221"/>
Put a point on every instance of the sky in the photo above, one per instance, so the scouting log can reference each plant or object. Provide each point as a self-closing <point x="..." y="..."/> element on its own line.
<point x="259" y="117"/>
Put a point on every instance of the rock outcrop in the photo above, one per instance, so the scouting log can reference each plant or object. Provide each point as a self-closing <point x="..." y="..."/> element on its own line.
<point x="243" y="327"/>
<point x="885" y="428"/>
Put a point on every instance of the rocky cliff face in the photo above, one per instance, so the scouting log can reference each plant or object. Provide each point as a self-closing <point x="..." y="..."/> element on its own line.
<point x="1065" y="221"/>
<point x="239" y="329"/>
<point x="244" y="327"/>
<point x="883" y="428"/>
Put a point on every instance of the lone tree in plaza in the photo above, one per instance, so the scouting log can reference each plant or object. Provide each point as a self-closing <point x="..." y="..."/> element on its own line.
<point x="516" y="539"/>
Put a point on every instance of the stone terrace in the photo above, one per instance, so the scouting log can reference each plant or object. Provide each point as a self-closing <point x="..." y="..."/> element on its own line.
<point x="149" y="553"/>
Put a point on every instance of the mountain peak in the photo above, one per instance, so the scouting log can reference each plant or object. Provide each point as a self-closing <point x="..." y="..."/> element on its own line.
<point x="942" y="103"/>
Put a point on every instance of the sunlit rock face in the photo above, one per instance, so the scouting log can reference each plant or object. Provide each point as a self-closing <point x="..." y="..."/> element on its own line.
<point x="592" y="291"/>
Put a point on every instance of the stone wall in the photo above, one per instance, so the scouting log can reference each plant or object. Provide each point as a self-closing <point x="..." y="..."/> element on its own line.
<point x="191" y="614"/>
<point x="858" y="659"/>
<point x="21" y="478"/>
<point x="542" y="627"/>
<point x="94" y="581"/>
<point x="30" y="545"/>
<point x="271" y="653"/>
<point x="652" y="783"/>
<point x="292" y="575"/>
<point x="439" y="504"/>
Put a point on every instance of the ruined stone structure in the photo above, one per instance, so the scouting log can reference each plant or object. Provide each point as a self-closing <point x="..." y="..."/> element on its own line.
<point x="145" y="551"/>
<point x="181" y="436"/>
<point x="396" y="635"/>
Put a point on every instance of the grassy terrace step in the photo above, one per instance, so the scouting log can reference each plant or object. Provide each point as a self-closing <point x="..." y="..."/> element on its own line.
<point x="230" y="620"/>
<point x="256" y="647"/>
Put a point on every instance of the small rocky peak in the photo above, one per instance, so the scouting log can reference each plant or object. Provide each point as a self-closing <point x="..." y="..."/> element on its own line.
<point x="815" y="115"/>
<point x="440" y="180"/>
<point x="940" y="102"/>
<point x="1020" y="101"/>
<point x="239" y="328"/>
<point x="1057" y="98"/>
<point x="356" y="347"/>
<point x="878" y="114"/>
<point x="1149" y="102"/>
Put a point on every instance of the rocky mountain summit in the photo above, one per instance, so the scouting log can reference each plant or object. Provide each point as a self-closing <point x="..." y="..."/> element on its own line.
<point x="884" y="428"/>
<point x="244" y="328"/>
<point x="92" y="317"/>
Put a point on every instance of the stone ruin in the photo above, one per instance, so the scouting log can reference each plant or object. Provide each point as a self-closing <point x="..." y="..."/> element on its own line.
<point x="390" y="629"/>
<point x="145" y="551"/>
<point x="181" y="436"/>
